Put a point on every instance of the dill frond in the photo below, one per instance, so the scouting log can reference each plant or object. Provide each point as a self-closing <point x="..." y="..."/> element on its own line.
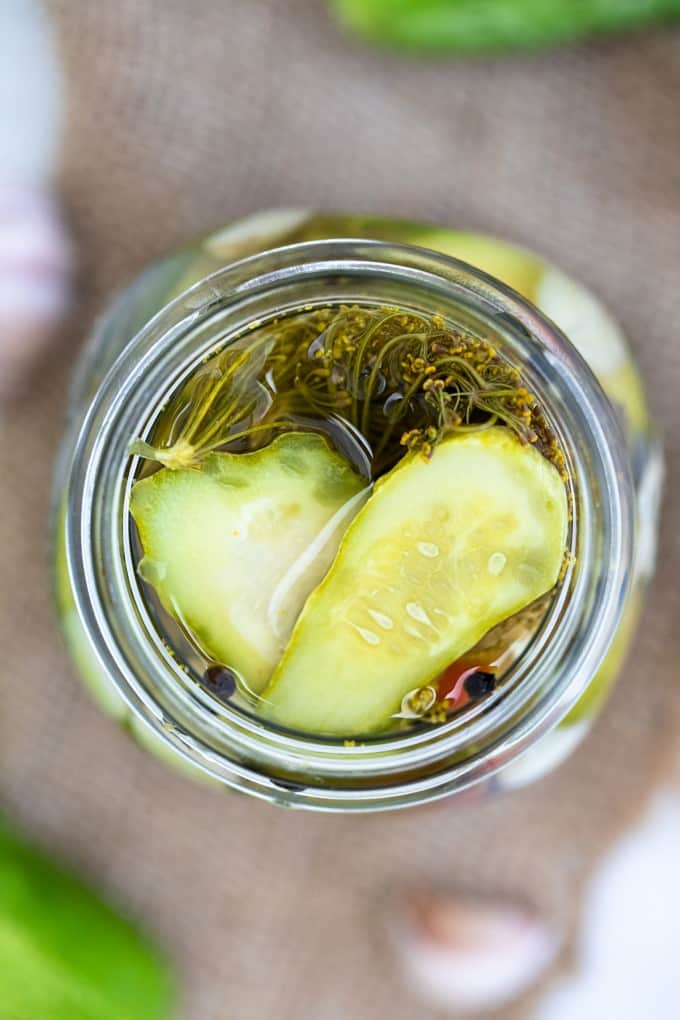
<point x="402" y="379"/>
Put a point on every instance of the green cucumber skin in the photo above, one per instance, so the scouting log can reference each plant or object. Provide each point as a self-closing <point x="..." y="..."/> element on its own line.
<point x="485" y="26"/>
<point x="65" y="954"/>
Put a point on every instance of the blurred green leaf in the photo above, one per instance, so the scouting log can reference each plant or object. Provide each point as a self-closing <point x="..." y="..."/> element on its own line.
<point x="64" y="954"/>
<point x="478" y="26"/>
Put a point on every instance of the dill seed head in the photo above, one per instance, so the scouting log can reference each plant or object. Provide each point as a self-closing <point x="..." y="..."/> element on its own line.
<point x="354" y="362"/>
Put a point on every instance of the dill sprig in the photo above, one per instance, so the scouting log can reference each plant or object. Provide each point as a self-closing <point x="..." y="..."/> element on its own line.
<point x="404" y="380"/>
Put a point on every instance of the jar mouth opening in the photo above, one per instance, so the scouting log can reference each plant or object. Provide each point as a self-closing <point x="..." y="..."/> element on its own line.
<point x="247" y="752"/>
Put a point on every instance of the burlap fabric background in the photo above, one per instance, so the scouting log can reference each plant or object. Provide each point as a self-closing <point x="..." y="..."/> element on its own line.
<point x="182" y="116"/>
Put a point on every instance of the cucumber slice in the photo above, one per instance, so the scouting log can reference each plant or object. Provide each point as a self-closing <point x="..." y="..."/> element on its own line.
<point x="514" y="266"/>
<point x="233" y="548"/>
<point x="443" y="551"/>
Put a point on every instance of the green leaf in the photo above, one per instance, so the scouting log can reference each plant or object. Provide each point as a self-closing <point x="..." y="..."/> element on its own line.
<point x="66" y="955"/>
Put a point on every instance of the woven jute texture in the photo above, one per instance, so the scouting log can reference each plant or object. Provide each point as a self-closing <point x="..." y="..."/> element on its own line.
<point x="185" y="115"/>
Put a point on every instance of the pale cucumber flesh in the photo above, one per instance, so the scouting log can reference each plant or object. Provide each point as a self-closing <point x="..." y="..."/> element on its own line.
<point x="234" y="547"/>
<point x="443" y="551"/>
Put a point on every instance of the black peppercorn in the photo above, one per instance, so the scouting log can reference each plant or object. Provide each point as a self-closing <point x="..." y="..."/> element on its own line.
<point x="480" y="683"/>
<point x="220" y="680"/>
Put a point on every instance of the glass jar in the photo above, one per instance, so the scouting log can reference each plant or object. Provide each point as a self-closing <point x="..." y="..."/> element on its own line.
<point x="167" y="322"/>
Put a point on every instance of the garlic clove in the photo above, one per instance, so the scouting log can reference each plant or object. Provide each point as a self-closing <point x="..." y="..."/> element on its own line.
<point x="465" y="953"/>
<point x="35" y="279"/>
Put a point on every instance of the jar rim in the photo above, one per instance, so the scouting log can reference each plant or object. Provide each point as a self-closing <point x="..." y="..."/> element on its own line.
<point x="393" y="770"/>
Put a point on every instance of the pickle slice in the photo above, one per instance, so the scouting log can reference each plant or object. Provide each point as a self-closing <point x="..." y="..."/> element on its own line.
<point x="443" y="551"/>
<point x="234" y="547"/>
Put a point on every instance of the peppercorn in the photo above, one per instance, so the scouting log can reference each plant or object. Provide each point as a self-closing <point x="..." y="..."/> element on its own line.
<point x="220" y="680"/>
<point x="480" y="683"/>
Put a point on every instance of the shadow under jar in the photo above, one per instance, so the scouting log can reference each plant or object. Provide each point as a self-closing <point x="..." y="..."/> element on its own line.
<point x="524" y="698"/>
